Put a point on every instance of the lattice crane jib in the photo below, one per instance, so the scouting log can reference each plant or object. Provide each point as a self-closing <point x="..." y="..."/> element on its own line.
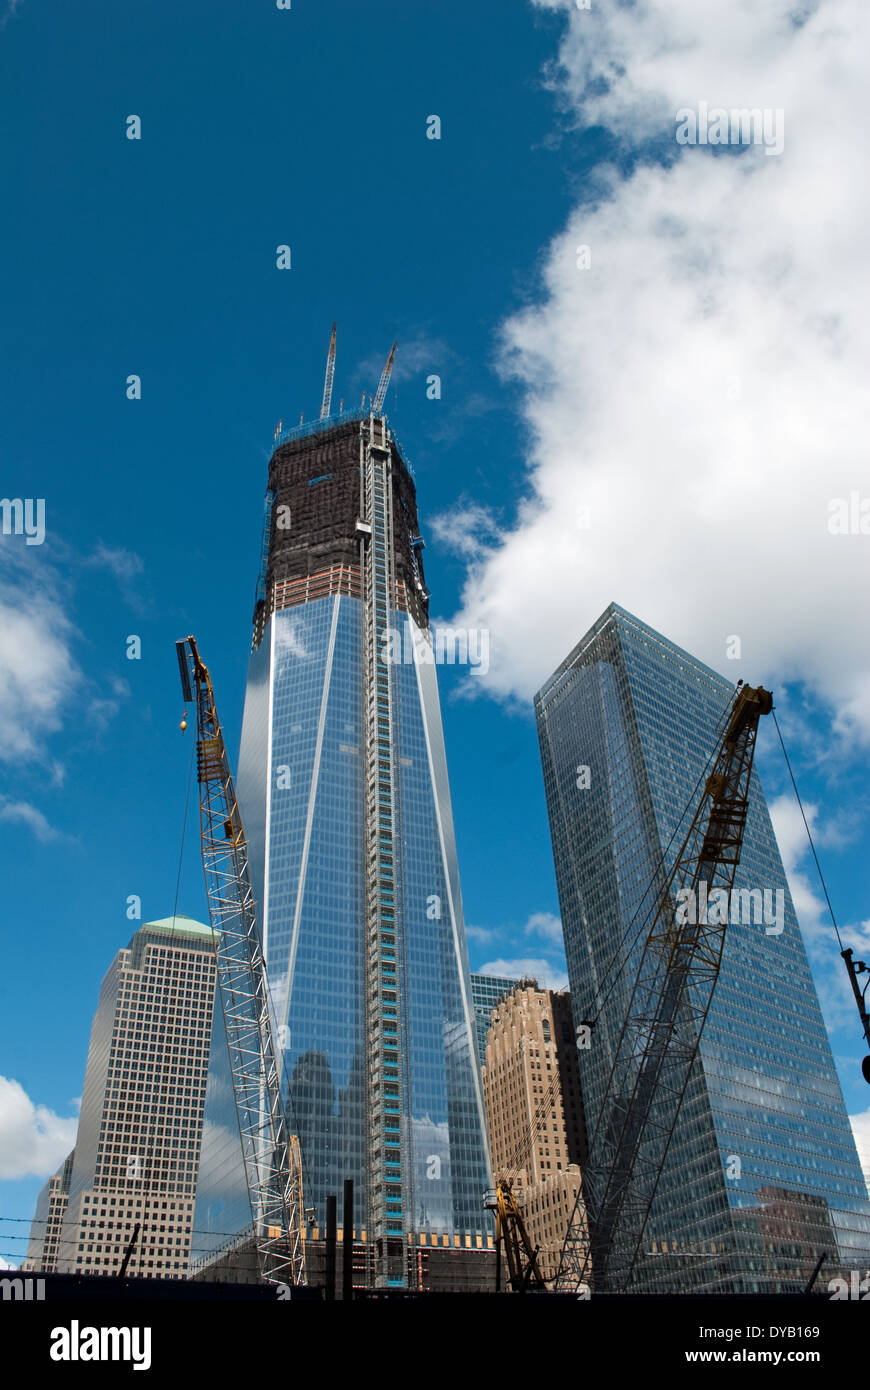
<point x="656" y="1053"/>
<point x="381" y="393"/>
<point x="271" y="1156"/>
<point x="326" y="403"/>
<point x="512" y="1241"/>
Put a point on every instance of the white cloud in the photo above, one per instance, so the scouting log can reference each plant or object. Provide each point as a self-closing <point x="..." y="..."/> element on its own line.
<point x="418" y="357"/>
<point x="12" y="7"/>
<point x="702" y="389"/>
<point x="861" y="1129"/>
<point x="415" y="357"/>
<point x="126" y="568"/>
<point x="526" y="966"/>
<point x="25" y="814"/>
<point x="547" y="925"/>
<point x="791" y="837"/>
<point x="481" y="934"/>
<point x="125" y="565"/>
<point x="810" y="905"/>
<point x="857" y="935"/>
<point x="102" y="711"/>
<point x="829" y="972"/>
<point x="466" y="529"/>
<point x="33" y="1139"/>
<point x="38" y="673"/>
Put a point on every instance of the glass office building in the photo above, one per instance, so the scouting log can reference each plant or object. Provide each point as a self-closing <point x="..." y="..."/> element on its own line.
<point x="762" y="1175"/>
<point x="486" y="992"/>
<point x="343" y="789"/>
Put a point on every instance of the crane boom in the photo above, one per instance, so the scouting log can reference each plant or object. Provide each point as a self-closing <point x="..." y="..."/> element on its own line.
<point x="272" y="1169"/>
<point x="512" y="1237"/>
<point x="330" y="374"/>
<point x="381" y="393"/>
<point x="655" y="1055"/>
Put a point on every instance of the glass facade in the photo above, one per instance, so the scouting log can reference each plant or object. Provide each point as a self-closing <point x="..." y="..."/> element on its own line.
<point x="762" y="1175"/>
<point x="327" y="801"/>
<point x="486" y="992"/>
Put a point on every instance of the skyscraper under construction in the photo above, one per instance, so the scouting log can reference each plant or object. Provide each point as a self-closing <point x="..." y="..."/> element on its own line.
<point x="343" y="788"/>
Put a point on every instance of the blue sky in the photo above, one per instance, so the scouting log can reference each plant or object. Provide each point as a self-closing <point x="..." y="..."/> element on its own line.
<point x="157" y="257"/>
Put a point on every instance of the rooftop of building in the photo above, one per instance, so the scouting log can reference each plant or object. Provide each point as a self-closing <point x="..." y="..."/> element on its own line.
<point x="179" y="926"/>
<point x="507" y="982"/>
<point x="307" y="429"/>
<point x="614" y="614"/>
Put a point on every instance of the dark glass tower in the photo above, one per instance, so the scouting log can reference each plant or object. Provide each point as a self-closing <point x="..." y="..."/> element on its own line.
<point x="343" y="790"/>
<point x="762" y="1175"/>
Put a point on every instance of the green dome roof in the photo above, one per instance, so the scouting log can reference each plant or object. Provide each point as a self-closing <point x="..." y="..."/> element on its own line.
<point x="178" y="926"/>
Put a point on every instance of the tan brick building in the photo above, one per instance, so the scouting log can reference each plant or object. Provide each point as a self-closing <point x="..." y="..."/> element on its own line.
<point x="531" y="1087"/>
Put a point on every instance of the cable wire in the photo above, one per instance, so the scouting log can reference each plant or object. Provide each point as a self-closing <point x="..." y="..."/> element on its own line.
<point x="807" y="829"/>
<point x="183" y="832"/>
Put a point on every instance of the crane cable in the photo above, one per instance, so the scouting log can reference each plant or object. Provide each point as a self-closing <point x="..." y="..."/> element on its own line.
<point x="854" y="968"/>
<point x="183" y="831"/>
<point x="807" y="829"/>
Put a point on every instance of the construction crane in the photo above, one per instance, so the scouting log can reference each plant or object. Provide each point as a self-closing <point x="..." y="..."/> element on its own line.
<point x="330" y="374"/>
<point x="655" y="1056"/>
<point x="381" y="393"/>
<point x="856" y="968"/>
<point x="271" y="1157"/>
<point x="512" y="1238"/>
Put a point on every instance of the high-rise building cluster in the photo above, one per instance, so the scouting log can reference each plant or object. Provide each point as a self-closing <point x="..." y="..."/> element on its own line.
<point x="423" y="1083"/>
